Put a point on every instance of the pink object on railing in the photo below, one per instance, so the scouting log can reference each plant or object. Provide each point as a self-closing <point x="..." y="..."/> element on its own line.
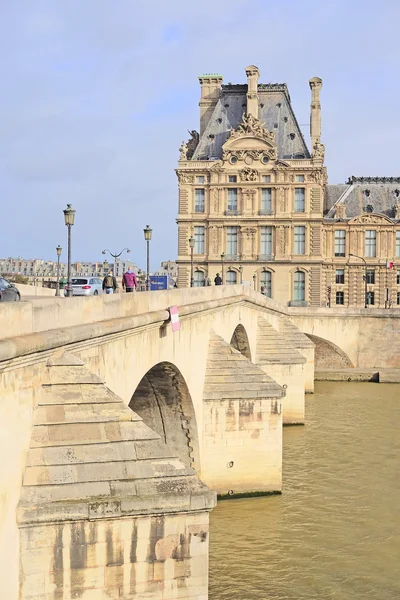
<point x="173" y="313"/>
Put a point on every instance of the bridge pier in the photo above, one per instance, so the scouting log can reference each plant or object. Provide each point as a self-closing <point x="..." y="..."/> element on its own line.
<point x="242" y="424"/>
<point x="281" y="361"/>
<point x="106" y="510"/>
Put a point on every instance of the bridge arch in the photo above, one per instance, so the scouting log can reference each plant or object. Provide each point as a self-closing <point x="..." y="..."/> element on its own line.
<point x="328" y="355"/>
<point x="240" y="341"/>
<point x="163" y="400"/>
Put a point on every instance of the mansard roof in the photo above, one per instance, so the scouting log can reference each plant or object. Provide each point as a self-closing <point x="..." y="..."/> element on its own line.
<point x="275" y="111"/>
<point x="364" y="195"/>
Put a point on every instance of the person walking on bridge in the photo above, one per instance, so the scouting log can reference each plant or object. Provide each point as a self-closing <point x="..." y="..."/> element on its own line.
<point x="217" y="279"/>
<point x="109" y="283"/>
<point x="129" y="281"/>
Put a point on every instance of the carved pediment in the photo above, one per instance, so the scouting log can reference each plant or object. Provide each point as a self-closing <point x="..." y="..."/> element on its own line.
<point x="371" y="219"/>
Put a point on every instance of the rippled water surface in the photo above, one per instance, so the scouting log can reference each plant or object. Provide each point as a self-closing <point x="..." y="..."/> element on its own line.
<point x="334" y="533"/>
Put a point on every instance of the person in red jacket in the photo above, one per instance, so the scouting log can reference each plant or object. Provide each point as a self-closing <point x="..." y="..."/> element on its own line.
<point x="129" y="281"/>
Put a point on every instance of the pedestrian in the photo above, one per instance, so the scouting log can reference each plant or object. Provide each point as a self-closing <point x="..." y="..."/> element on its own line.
<point x="217" y="279"/>
<point x="109" y="283"/>
<point x="129" y="281"/>
<point x="208" y="281"/>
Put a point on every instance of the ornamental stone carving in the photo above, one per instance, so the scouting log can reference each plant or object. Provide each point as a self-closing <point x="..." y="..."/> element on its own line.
<point x="184" y="178"/>
<point x="396" y="209"/>
<point x="282" y="199"/>
<point x="340" y="211"/>
<point x="218" y="167"/>
<point x="248" y="175"/>
<point x="282" y="239"/>
<point x="371" y="219"/>
<point x="250" y="125"/>
<point x="319" y="177"/>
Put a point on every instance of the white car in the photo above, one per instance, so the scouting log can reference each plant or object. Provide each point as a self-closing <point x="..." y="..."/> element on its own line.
<point x="86" y="286"/>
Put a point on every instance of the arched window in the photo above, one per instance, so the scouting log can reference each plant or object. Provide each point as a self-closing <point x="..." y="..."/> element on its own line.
<point x="266" y="283"/>
<point x="231" y="277"/>
<point x="198" y="279"/>
<point x="299" y="286"/>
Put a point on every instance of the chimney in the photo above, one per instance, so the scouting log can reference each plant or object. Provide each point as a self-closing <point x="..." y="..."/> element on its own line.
<point x="253" y="74"/>
<point x="315" y="114"/>
<point x="210" y="90"/>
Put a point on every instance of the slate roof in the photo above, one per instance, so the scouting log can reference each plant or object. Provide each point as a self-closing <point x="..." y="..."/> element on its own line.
<point x="368" y="195"/>
<point x="275" y="111"/>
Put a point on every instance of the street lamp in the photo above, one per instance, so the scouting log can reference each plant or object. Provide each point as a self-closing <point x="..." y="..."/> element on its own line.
<point x="115" y="256"/>
<point x="69" y="217"/>
<point x="58" y="250"/>
<point x="241" y="273"/>
<point x="147" y="236"/>
<point x="222" y="266"/>
<point x="365" y="278"/>
<point x="191" y="244"/>
<point x="254" y="281"/>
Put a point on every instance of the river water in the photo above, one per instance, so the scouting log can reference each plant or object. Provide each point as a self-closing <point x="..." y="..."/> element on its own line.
<point x="334" y="533"/>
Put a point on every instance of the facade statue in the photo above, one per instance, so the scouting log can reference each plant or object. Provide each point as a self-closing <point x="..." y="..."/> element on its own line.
<point x="183" y="151"/>
<point x="192" y="143"/>
<point x="319" y="150"/>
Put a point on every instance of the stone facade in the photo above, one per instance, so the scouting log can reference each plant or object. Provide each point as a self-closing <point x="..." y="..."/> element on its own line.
<point x="257" y="203"/>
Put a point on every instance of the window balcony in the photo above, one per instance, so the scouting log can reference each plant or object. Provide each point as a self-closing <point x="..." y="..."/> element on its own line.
<point x="232" y="213"/>
<point x="265" y="212"/>
<point x="298" y="303"/>
<point x="266" y="257"/>
<point x="231" y="257"/>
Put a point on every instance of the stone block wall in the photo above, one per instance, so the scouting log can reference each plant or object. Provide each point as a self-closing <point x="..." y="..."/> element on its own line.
<point x="152" y="557"/>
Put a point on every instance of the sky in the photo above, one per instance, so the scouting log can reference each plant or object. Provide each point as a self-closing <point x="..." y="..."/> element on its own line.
<point x="97" y="95"/>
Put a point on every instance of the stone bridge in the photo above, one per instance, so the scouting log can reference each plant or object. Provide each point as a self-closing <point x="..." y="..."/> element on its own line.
<point x="115" y="428"/>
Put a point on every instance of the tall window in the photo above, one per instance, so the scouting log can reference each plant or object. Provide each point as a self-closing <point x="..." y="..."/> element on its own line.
<point x="299" y="240"/>
<point x="266" y="199"/>
<point x="266" y="241"/>
<point x="232" y="199"/>
<point x="397" y="243"/>
<point x="370" y="242"/>
<point x="299" y="199"/>
<point x="398" y="278"/>
<point x="371" y="277"/>
<point x="398" y="297"/>
<point x="299" y="286"/>
<point x="198" y="240"/>
<point x="231" y="277"/>
<point x="339" y="276"/>
<point x="266" y="282"/>
<point x="339" y="297"/>
<point x="231" y="241"/>
<point x="340" y="242"/>
<point x="199" y="195"/>
<point x="370" y="298"/>
<point x="198" y="279"/>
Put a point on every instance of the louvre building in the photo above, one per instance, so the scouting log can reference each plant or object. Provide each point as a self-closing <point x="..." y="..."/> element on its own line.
<point x="255" y="205"/>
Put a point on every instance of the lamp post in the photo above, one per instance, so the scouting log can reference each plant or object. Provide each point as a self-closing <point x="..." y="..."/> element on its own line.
<point x="191" y="244"/>
<point x="365" y="278"/>
<point x="222" y="266"/>
<point x="147" y="236"/>
<point x="241" y="273"/>
<point x="69" y="217"/>
<point x="58" y="250"/>
<point x="254" y="281"/>
<point x="115" y="256"/>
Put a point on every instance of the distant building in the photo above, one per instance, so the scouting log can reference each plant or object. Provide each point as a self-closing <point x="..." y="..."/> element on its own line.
<point x="48" y="269"/>
<point x="257" y="203"/>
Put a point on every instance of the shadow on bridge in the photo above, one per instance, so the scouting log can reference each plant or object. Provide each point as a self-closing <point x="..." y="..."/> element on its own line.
<point x="240" y="341"/>
<point x="163" y="401"/>
<point x="328" y="355"/>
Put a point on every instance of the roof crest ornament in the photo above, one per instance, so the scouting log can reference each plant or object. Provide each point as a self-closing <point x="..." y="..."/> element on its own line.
<point x="250" y="125"/>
